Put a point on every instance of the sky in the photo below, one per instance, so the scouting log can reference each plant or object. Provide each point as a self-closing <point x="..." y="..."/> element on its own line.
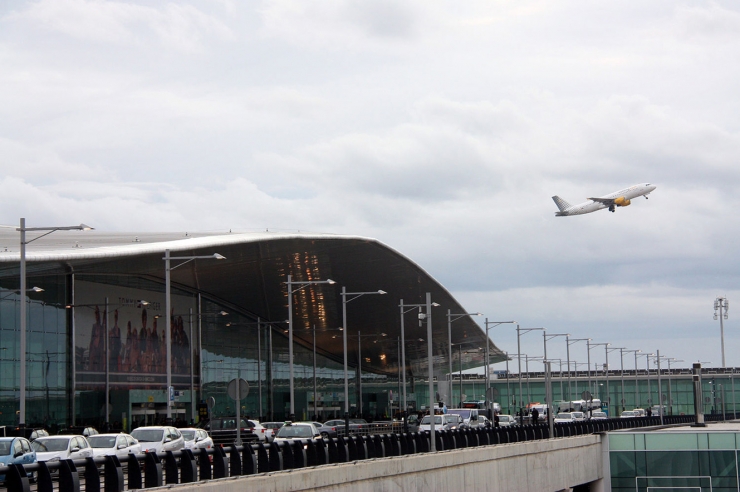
<point x="440" y="128"/>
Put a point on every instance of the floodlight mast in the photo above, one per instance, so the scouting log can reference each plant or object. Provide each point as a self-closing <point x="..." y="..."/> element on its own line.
<point x="722" y="304"/>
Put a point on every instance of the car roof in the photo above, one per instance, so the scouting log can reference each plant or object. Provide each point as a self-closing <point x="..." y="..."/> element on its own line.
<point x="154" y="427"/>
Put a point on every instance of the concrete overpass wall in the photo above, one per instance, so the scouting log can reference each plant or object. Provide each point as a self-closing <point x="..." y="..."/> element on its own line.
<point x="547" y="465"/>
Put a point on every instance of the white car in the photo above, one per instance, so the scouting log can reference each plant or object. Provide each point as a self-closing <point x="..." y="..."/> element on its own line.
<point x="258" y="430"/>
<point x="290" y="431"/>
<point x="506" y="421"/>
<point x="564" y="418"/>
<point x="628" y="414"/>
<point x="158" y="439"/>
<point x="599" y="416"/>
<point x="271" y="428"/>
<point x="579" y="416"/>
<point x="448" y="421"/>
<point x="119" y="444"/>
<point x="196" y="438"/>
<point x="55" y="448"/>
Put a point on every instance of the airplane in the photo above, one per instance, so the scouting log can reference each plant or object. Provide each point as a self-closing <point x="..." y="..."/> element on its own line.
<point x="621" y="198"/>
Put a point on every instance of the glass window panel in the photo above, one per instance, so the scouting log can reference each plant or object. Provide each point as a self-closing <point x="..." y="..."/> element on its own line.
<point x="622" y="464"/>
<point x="721" y="440"/>
<point x="672" y="463"/>
<point x="702" y="440"/>
<point x="670" y="441"/>
<point x="639" y="441"/>
<point x="723" y="464"/>
<point x="621" y="442"/>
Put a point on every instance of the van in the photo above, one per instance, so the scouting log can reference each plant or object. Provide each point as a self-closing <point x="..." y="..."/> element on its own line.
<point x="469" y="416"/>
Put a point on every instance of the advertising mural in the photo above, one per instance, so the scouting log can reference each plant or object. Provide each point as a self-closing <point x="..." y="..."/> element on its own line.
<point x="136" y="352"/>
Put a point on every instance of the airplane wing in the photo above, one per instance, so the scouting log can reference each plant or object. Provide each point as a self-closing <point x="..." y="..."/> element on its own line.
<point x="605" y="201"/>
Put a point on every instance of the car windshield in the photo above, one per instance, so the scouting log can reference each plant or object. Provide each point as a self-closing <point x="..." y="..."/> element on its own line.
<point x="427" y="420"/>
<point x="564" y="416"/>
<point x="102" y="441"/>
<point x="5" y="447"/>
<point x="188" y="435"/>
<point x="291" y="431"/>
<point x="462" y="413"/>
<point x="44" y="445"/>
<point x="148" y="435"/>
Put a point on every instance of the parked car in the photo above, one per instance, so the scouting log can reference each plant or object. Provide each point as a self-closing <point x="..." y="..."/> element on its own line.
<point x="483" y="421"/>
<point x="441" y="422"/>
<point x="564" y="418"/>
<point x="506" y="421"/>
<point x="120" y="445"/>
<point x="257" y="429"/>
<point x="297" y="430"/>
<point x="469" y="416"/>
<point x="158" y="438"/>
<point x="355" y="425"/>
<point x="628" y="414"/>
<point x="579" y="416"/>
<point x="16" y="451"/>
<point x="599" y="416"/>
<point x="55" y="448"/>
<point x="271" y="429"/>
<point x="223" y="430"/>
<point x="196" y="438"/>
<point x="326" y="430"/>
<point x="639" y="412"/>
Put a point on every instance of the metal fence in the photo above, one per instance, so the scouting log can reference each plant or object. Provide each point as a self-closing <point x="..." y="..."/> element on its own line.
<point x="186" y="466"/>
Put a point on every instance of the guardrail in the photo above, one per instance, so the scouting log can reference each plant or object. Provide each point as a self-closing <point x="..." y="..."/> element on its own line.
<point x="186" y="466"/>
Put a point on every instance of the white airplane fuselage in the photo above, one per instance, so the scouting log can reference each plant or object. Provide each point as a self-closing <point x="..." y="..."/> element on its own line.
<point x="621" y="198"/>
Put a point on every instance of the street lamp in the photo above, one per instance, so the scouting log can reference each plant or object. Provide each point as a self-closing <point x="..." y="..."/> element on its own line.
<point x="568" y="342"/>
<point x="301" y="285"/>
<point x="451" y="317"/>
<point x="23" y="230"/>
<point x="168" y="308"/>
<point x="621" y="357"/>
<point x="721" y="304"/>
<point x="345" y="301"/>
<point x="519" y="332"/>
<point x="410" y="307"/>
<point x="428" y="317"/>
<point x="647" y="361"/>
<point x="490" y="324"/>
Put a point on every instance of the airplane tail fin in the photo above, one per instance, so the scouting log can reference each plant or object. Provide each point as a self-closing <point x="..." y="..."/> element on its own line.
<point x="562" y="204"/>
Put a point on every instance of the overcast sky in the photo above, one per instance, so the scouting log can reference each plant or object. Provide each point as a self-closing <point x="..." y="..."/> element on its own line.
<point x="440" y="128"/>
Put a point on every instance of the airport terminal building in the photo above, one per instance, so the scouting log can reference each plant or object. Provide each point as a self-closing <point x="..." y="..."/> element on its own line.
<point x="96" y="332"/>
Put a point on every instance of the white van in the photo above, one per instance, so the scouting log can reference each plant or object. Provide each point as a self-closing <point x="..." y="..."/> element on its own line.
<point x="469" y="416"/>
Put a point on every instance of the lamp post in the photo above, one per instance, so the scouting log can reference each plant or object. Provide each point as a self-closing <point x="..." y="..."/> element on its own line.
<point x="428" y="317"/>
<point x="519" y="332"/>
<point x="451" y="317"/>
<point x="168" y="308"/>
<point x="621" y="357"/>
<point x="560" y="364"/>
<point x="608" y="394"/>
<point x="589" y="346"/>
<point x="404" y="310"/>
<point x="568" y="342"/>
<point x="647" y="358"/>
<point x="23" y="230"/>
<point x="721" y="305"/>
<point x="491" y="324"/>
<point x="345" y="301"/>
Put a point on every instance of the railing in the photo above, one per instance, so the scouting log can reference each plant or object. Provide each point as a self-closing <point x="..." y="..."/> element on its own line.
<point x="186" y="466"/>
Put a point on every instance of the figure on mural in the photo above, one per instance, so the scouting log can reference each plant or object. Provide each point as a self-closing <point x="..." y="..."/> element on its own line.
<point x="95" y="350"/>
<point x="154" y="346"/>
<point x="143" y="336"/>
<point x="114" y="344"/>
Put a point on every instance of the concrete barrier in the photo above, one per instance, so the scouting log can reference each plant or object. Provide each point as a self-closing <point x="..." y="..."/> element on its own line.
<point x="547" y="465"/>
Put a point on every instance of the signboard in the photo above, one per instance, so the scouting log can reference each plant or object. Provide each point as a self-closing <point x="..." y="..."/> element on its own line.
<point x="243" y="389"/>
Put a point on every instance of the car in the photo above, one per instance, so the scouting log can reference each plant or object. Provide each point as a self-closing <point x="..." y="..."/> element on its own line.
<point x="158" y="439"/>
<point x="56" y="448"/>
<point x="469" y="416"/>
<point x="579" y="416"/>
<point x="355" y="425"/>
<point x="297" y="430"/>
<point x="271" y="429"/>
<point x="628" y="414"/>
<point x="16" y="451"/>
<point x="79" y="430"/>
<point x="448" y="421"/>
<point x="257" y="429"/>
<point x="326" y="430"/>
<point x="599" y="416"/>
<point x="223" y="430"/>
<point x="639" y="412"/>
<point x="196" y="438"/>
<point x="564" y="418"/>
<point x="506" y="421"/>
<point x="120" y="445"/>
<point x="483" y="421"/>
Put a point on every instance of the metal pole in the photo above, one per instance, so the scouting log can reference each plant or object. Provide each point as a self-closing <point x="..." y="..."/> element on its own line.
<point x="548" y="389"/>
<point x="168" y="307"/>
<point x="259" y="364"/>
<point x="637" y="386"/>
<point x="23" y="314"/>
<point x="621" y="374"/>
<point x="359" y="373"/>
<point x="606" y="375"/>
<point x="588" y="366"/>
<point x="192" y="367"/>
<point x="449" y="351"/>
<point x="290" y="347"/>
<point x="403" y="371"/>
<point x="238" y="409"/>
<point x="722" y="332"/>
<point x="107" y="362"/>
<point x="200" y="349"/>
<point x="567" y="356"/>
<point x="315" y="388"/>
<point x="433" y="445"/>
<point x="660" y="389"/>
<point x="519" y="362"/>
<point x="269" y="363"/>
<point x="459" y="354"/>
<point x="650" y="392"/>
<point x="489" y="403"/>
<point x="344" y="342"/>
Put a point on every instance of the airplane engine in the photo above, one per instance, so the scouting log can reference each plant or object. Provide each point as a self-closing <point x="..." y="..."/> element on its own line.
<point x="622" y="202"/>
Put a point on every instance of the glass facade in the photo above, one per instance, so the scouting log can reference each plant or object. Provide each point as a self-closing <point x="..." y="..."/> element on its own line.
<point x="660" y="461"/>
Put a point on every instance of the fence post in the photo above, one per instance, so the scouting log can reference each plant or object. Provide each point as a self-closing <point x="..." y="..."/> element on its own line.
<point x="287" y="452"/>
<point x="249" y="460"/>
<point x="113" y="474"/>
<point x="134" y="472"/>
<point x="17" y="480"/>
<point x="43" y="478"/>
<point x="219" y="462"/>
<point x="153" y="470"/>
<point x="204" y="464"/>
<point x="188" y="469"/>
<point x="235" y="462"/>
<point x="92" y="476"/>
<point x="170" y="468"/>
<point x="276" y="458"/>
<point x="69" y="480"/>
<point x="263" y="462"/>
